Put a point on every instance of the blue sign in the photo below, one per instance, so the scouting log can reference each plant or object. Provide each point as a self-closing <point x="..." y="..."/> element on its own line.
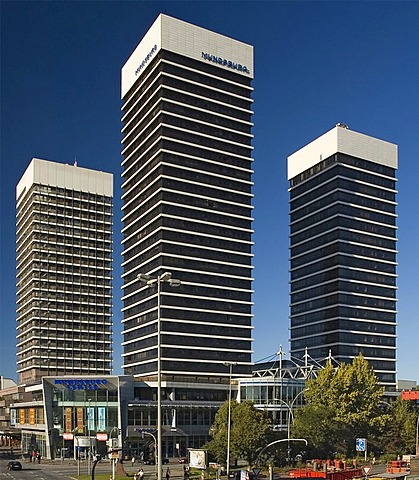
<point x="361" y="444"/>
<point x="226" y="63"/>
<point x="81" y="384"/>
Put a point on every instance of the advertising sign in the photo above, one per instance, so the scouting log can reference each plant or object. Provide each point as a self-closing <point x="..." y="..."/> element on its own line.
<point x="68" y="419"/>
<point x="80" y="423"/>
<point x="101" y="419"/>
<point x="198" y="458"/>
<point x="91" y="418"/>
<point x="13" y="417"/>
<point x="32" y="416"/>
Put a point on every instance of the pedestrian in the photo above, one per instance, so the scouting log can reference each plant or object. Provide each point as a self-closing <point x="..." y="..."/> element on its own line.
<point x="140" y="474"/>
<point x="133" y="461"/>
<point x="168" y="473"/>
<point x="39" y="457"/>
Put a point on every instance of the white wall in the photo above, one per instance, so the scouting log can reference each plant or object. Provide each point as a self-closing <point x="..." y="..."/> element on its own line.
<point x="45" y="172"/>
<point x="185" y="39"/>
<point x="345" y="141"/>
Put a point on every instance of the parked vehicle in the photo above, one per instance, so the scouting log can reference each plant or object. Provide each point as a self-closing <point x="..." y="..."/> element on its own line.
<point x="15" y="465"/>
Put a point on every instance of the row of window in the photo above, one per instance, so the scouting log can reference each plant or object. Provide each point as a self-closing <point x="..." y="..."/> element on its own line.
<point x="343" y="261"/>
<point x="340" y="285"/>
<point x="343" y="274"/>
<point x="221" y="231"/>
<point x="186" y="238"/>
<point x="343" y="324"/>
<point x="345" y="198"/>
<point x="345" y="351"/>
<point x="342" y="234"/>
<point x="345" y="160"/>
<point x="345" y="299"/>
<point x="192" y="183"/>
<point x="341" y="184"/>
<point x="192" y="368"/>
<point x="344" y="248"/>
<point x="343" y="222"/>
<point x="342" y="170"/>
<point x="339" y="337"/>
<point x="343" y="312"/>
<point x="195" y="304"/>
<point x="224" y="319"/>
<point x="342" y="209"/>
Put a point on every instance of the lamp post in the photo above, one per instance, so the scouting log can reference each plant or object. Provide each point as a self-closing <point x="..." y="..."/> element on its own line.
<point x="290" y="415"/>
<point x="89" y="451"/>
<point x="149" y="280"/>
<point x="111" y="446"/>
<point x="230" y="365"/>
<point x="77" y="450"/>
<point x="155" y="445"/>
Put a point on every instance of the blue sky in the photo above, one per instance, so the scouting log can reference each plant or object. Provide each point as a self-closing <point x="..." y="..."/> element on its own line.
<point x="316" y="64"/>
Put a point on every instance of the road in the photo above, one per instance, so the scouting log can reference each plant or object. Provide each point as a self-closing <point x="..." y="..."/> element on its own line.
<point x="67" y="469"/>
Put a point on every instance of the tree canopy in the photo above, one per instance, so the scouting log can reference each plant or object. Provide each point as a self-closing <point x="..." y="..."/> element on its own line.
<point x="250" y="429"/>
<point x="342" y="404"/>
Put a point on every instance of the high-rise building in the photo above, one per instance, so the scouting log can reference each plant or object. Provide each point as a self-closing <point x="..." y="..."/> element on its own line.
<point x="64" y="271"/>
<point x="187" y="202"/>
<point x="343" y="249"/>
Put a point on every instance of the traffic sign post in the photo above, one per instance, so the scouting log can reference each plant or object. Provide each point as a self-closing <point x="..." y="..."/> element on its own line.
<point x="366" y="470"/>
<point x="361" y="446"/>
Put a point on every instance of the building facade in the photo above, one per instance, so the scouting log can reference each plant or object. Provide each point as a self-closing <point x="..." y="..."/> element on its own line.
<point x="343" y="250"/>
<point x="187" y="203"/>
<point x="64" y="271"/>
<point x="73" y="416"/>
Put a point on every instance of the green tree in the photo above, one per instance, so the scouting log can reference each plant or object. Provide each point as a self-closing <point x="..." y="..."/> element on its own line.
<point x="319" y="427"/>
<point x="250" y="429"/>
<point x="400" y="432"/>
<point x="350" y="396"/>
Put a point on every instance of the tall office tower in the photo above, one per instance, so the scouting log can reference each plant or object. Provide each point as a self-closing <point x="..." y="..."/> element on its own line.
<point x="343" y="249"/>
<point x="64" y="271"/>
<point x="187" y="202"/>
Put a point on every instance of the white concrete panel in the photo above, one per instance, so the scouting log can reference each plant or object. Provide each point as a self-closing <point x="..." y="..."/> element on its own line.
<point x="146" y="50"/>
<point x="45" y="172"/>
<point x="345" y="141"/>
<point x="191" y="41"/>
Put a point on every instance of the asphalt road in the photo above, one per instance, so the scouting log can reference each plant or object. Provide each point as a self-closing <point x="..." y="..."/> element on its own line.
<point x="68" y="469"/>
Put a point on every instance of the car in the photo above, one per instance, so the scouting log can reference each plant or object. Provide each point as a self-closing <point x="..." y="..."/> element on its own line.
<point x="15" y="465"/>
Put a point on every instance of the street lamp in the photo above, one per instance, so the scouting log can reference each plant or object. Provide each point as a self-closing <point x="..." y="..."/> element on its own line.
<point x="155" y="444"/>
<point x="89" y="412"/>
<point x="290" y="415"/>
<point x="149" y="280"/>
<point x="230" y="365"/>
<point x="77" y="450"/>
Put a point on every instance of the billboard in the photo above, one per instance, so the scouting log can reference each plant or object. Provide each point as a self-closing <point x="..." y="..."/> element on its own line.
<point x="198" y="458"/>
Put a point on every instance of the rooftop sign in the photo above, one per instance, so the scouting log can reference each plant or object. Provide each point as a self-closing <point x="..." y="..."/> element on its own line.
<point x="81" y="383"/>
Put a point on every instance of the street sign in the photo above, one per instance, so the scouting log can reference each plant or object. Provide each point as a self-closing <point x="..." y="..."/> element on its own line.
<point x="360" y="444"/>
<point x="366" y="470"/>
<point x="256" y="471"/>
